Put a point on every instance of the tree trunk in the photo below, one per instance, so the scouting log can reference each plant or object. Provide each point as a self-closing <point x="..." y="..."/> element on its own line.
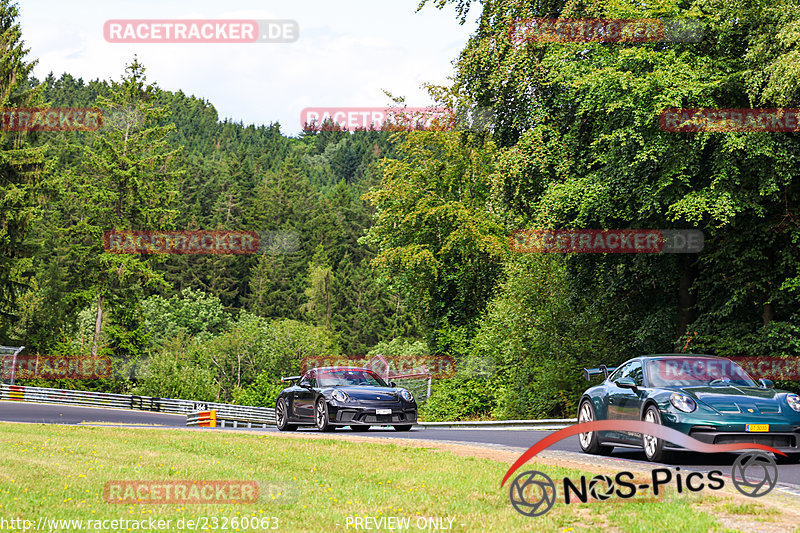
<point x="328" y="282"/>
<point x="768" y="314"/>
<point x="687" y="298"/>
<point x="98" y="326"/>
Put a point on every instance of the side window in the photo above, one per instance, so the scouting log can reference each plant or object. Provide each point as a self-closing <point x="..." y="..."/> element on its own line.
<point x="634" y="370"/>
<point x="630" y="370"/>
<point x="619" y="372"/>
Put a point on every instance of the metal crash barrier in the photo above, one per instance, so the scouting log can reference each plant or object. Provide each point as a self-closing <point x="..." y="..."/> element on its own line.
<point x="227" y="415"/>
<point x="203" y="419"/>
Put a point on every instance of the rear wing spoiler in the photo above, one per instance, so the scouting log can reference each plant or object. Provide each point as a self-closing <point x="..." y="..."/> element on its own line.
<point x="290" y="378"/>
<point x="589" y="373"/>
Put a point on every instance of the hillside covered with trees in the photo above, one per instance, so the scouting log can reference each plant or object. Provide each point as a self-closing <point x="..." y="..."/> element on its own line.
<point x="403" y="236"/>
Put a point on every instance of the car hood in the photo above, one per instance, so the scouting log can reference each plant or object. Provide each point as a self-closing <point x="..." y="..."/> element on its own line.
<point x="369" y="393"/>
<point x="732" y="399"/>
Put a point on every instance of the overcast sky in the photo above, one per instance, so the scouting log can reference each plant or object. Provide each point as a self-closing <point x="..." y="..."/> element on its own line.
<point x="347" y="51"/>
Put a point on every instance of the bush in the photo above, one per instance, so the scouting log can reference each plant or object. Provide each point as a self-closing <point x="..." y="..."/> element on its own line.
<point x="460" y="398"/>
<point x="175" y="372"/>
<point x="262" y="393"/>
<point x="537" y="338"/>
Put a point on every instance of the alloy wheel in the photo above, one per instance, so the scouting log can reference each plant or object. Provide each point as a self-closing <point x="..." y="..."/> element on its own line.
<point x="585" y="415"/>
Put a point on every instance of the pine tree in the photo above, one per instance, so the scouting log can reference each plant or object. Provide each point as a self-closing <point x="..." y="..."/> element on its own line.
<point x="22" y="169"/>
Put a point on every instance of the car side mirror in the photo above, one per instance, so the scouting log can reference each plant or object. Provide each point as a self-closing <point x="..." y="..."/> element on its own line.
<point x="766" y="383"/>
<point x="626" y="383"/>
<point x="305" y="384"/>
<point x="392" y="384"/>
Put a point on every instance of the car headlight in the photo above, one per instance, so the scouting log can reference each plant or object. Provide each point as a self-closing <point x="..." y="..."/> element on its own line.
<point x="339" y="396"/>
<point x="407" y="396"/>
<point x="794" y="401"/>
<point x="681" y="402"/>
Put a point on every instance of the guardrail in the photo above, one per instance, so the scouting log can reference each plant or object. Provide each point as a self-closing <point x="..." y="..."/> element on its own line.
<point x="205" y="419"/>
<point x="227" y="414"/>
<point x="554" y="423"/>
<point x="257" y="417"/>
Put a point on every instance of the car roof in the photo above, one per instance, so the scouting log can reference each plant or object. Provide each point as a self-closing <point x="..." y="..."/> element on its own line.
<point x="341" y="368"/>
<point x="678" y="355"/>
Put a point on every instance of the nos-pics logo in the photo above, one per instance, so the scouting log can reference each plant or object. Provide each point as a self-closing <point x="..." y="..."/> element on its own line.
<point x="533" y="493"/>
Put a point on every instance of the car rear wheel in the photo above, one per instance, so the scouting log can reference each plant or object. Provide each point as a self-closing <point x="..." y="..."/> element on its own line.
<point x="653" y="446"/>
<point x="282" y="416"/>
<point x="359" y="428"/>
<point x="590" y="442"/>
<point x="404" y="427"/>
<point x="321" y="416"/>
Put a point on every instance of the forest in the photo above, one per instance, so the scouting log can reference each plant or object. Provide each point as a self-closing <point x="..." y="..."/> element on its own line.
<point x="403" y="236"/>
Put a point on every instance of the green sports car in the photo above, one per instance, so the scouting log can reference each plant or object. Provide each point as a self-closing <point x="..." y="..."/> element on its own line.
<point x="709" y="398"/>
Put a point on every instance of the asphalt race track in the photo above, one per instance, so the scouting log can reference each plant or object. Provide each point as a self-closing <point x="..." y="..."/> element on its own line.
<point x="519" y="440"/>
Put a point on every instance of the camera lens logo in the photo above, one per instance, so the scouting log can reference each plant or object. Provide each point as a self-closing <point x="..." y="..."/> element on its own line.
<point x="532" y="493"/>
<point x="754" y="474"/>
<point x="597" y="482"/>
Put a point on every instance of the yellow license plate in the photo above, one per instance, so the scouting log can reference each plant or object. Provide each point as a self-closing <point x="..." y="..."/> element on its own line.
<point x="757" y="428"/>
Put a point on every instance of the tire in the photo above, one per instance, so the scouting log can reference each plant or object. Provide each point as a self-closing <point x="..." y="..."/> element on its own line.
<point x="359" y="429"/>
<point x="321" y="418"/>
<point x="653" y="446"/>
<point x="590" y="442"/>
<point x="282" y="416"/>
<point x="404" y="427"/>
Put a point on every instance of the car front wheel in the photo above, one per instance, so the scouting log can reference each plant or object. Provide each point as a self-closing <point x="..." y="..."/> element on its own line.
<point x="321" y="416"/>
<point x="653" y="446"/>
<point x="590" y="441"/>
<point x="282" y="416"/>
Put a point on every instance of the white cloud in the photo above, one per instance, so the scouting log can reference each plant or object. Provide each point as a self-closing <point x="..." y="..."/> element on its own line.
<point x="347" y="52"/>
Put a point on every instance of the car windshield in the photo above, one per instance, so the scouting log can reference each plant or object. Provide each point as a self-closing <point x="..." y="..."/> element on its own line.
<point x="337" y="378"/>
<point x="696" y="372"/>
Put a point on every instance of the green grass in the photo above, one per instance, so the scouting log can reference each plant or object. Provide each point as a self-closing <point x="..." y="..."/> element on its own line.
<point x="60" y="471"/>
<point x="748" y="509"/>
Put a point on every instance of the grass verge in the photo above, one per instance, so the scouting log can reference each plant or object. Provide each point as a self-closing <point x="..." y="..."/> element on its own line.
<point x="59" y="472"/>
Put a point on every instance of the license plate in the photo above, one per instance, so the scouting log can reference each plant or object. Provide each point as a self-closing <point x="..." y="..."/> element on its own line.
<point x="757" y="428"/>
<point x="383" y="411"/>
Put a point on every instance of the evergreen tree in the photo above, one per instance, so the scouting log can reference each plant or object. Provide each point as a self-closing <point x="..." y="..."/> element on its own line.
<point x="22" y="167"/>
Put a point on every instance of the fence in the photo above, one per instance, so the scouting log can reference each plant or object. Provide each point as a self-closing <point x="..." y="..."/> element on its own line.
<point x="227" y="415"/>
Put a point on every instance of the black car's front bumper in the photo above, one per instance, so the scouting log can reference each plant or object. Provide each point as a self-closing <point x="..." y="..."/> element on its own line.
<point x="349" y="415"/>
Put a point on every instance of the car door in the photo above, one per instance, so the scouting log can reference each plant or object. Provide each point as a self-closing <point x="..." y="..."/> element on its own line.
<point x="624" y="403"/>
<point x="304" y="397"/>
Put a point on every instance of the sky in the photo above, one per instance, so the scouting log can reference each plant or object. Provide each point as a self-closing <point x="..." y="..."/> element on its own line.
<point x="347" y="52"/>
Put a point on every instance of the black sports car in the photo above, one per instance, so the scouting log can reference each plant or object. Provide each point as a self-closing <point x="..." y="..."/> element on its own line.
<point x="343" y="396"/>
